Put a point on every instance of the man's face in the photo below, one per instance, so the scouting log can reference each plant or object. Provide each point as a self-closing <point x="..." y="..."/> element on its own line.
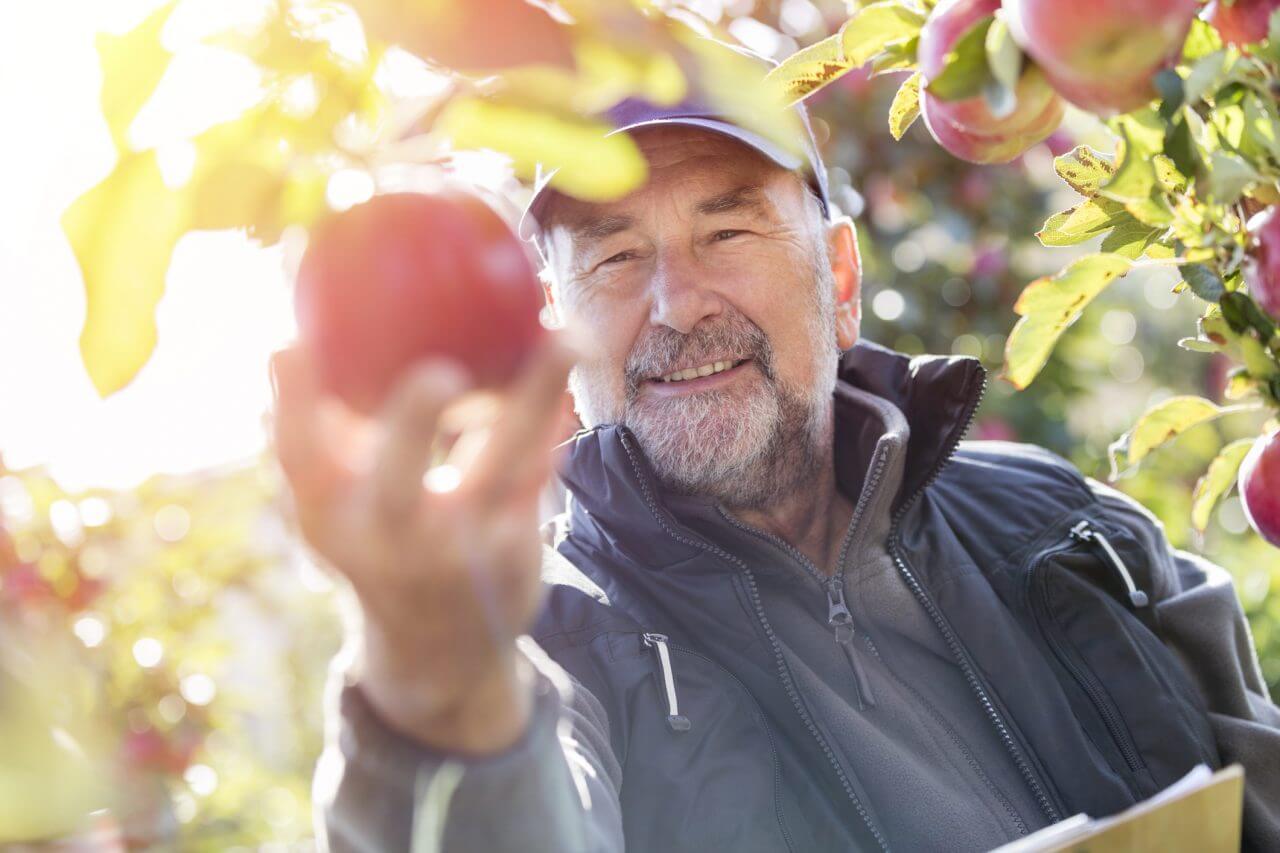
<point x="718" y="269"/>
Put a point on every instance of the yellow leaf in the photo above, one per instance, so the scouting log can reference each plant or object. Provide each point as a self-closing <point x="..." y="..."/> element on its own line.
<point x="1048" y="305"/>
<point x="589" y="163"/>
<point x="132" y="65"/>
<point x="123" y="232"/>
<point x="1217" y="481"/>
<point x="905" y="108"/>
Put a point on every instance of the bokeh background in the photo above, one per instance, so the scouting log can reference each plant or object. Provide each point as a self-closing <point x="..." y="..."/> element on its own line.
<point x="185" y="636"/>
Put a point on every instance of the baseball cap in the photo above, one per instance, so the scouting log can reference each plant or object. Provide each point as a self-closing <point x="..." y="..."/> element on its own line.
<point x="633" y="113"/>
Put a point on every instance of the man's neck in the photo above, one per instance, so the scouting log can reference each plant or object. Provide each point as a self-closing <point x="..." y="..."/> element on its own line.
<point x="812" y="517"/>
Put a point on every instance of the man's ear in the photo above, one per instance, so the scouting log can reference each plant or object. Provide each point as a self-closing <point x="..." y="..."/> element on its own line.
<point x="846" y="269"/>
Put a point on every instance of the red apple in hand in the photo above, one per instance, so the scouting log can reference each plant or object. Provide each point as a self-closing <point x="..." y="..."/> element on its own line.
<point x="1102" y="55"/>
<point x="407" y="276"/>
<point x="1262" y="267"/>
<point x="1260" y="487"/>
<point x="470" y="35"/>
<point x="967" y="128"/>
<point x="1243" y="22"/>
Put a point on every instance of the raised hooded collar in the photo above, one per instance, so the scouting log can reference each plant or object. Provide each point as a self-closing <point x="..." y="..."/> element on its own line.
<point x="615" y="493"/>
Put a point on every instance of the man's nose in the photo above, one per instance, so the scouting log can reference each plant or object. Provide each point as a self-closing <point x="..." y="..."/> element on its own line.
<point x="681" y="296"/>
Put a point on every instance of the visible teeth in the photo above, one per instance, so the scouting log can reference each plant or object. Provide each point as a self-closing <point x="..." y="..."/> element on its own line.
<point x="695" y="372"/>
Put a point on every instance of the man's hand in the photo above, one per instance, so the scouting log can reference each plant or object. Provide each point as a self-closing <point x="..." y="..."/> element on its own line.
<point x="446" y="580"/>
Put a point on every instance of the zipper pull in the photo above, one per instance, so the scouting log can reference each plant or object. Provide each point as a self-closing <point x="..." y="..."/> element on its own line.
<point x="1084" y="532"/>
<point x="841" y="622"/>
<point x="677" y="721"/>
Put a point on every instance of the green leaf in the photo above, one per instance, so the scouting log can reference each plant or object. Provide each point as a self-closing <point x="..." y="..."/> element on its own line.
<point x="122" y="232"/>
<point x="1172" y="94"/>
<point x="1160" y="424"/>
<point x="905" y="107"/>
<point x="965" y="72"/>
<point x="589" y="164"/>
<point x="1129" y="239"/>
<point x="1202" y="39"/>
<point x="1229" y="176"/>
<point x="897" y="56"/>
<point x="1217" y="481"/>
<point x="1203" y="281"/>
<point x="132" y="65"/>
<point x="1004" y="58"/>
<point x="1242" y="313"/>
<point x="1084" y="169"/>
<point x="1082" y="222"/>
<point x="1207" y="75"/>
<point x="870" y="31"/>
<point x="873" y="28"/>
<point x="1048" y="306"/>
<point x="1135" y="177"/>
<point x="1262" y="126"/>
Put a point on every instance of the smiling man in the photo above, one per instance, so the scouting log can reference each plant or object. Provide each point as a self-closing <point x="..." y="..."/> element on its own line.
<point x="787" y="608"/>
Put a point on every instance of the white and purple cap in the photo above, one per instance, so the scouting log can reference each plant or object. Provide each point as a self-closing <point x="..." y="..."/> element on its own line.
<point x="633" y="113"/>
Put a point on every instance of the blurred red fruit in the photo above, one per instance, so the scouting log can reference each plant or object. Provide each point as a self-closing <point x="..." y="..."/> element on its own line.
<point x="1102" y="55"/>
<point x="1244" y="22"/>
<point x="1262" y="266"/>
<point x="968" y="128"/>
<point x="1259" y="483"/>
<point x="408" y="276"/>
<point x="23" y="584"/>
<point x="470" y="35"/>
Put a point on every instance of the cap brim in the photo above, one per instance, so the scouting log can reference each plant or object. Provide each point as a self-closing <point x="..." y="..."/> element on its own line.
<point x="784" y="158"/>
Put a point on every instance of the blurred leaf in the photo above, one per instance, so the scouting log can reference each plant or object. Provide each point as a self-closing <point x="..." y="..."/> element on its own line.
<point x="1242" y="313"/>
<point x="1202" y="39"/>
<point x="1080" y="223"/>
<point x="1084" y="169"/>
<point x="132" y="65"/>
<point x="1229" y="175"/>
<point x="1217" y="481"/>
<point x="1004" y="57"/>
<point x="906" y="106"/>
<point x="965" y="72"/>
<point x="1159" y="424"/>
<point x="1262" y="126"/>
<point x="589" y="164"/>
<point x="870" y="30"/>
<point x="1172" y="93"/>
<point x="1048" y="305"/>
<point x="122" y="233"/>
<point x="1207" y="75"/>
<point x="1203" y="281"/>
<point x="897" y="56"/>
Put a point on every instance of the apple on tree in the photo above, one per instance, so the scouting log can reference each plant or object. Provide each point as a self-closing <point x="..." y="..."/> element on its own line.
<point x="1259" y="482"/>
<point x="968" y="128"/>
<point x="405" y="276"/>
<point x="1102" y="55"/>
<point x="1262" y="266"/>
<point x="1242" y="22"/>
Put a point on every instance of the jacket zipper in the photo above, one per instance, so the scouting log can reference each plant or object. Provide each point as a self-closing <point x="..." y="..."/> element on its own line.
<point x="1106" y="708"/>
<point x="764" y="723"/>
<point x="1047" y="806"/>
<point x="841" y="622"/>
<point x="675" y="720"/>
<point x="780" y="662"/>
<point x="1085" y="532"/>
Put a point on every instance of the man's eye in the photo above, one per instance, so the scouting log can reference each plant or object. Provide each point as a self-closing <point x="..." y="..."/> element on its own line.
<point x="621" y="256"/>
<point x="725" y="234"/>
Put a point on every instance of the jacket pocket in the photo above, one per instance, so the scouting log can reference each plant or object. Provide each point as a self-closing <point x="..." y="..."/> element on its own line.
<point x="1123" y="683"/>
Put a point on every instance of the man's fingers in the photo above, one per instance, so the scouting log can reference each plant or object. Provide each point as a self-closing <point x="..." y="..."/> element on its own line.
<point x="524" y="432"/>
<point x="410" y="419"/>
<point x="310" y="463"/>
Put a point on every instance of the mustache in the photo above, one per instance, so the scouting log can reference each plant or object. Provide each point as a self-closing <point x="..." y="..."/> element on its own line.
<point x="663" y="349"/>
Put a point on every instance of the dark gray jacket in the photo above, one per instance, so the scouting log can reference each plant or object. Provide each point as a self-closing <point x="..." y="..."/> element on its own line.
<point x="1006" y="644"/>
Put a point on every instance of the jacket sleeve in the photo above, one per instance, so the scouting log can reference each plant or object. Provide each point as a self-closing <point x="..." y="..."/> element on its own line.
<point x="556" y="790"/>
<point x="1201" y="620"/>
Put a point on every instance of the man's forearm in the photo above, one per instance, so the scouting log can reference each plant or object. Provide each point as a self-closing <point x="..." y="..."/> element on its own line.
<point x="371" y="780"/>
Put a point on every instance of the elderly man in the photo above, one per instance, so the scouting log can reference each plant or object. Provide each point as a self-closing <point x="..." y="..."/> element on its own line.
<point x="787" y="609"/>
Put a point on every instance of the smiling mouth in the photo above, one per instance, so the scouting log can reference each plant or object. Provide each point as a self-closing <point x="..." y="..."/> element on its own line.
<point x="708" y="369"/>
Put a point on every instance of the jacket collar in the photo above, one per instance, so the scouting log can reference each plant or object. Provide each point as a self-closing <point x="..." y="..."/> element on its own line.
<point x="613" y="487"/>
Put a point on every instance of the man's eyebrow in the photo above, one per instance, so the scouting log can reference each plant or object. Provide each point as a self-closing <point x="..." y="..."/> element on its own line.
<point x="744" y="197"/>
<point x="598" y="229"/>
